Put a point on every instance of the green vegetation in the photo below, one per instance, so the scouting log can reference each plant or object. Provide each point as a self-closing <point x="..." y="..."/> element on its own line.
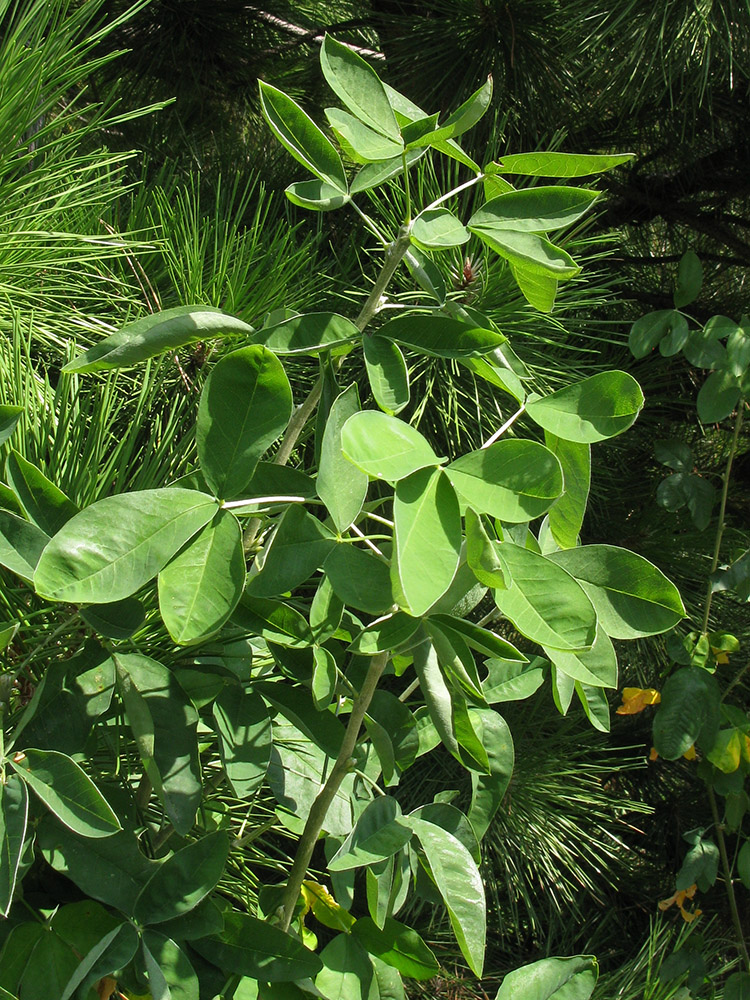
<point x="354" y="643"/>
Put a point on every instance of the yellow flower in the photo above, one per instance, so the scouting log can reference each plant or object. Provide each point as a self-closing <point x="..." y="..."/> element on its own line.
<point x="634" y="700"/>
<point x="690" y="753"/>
<point x="679" y="898"/>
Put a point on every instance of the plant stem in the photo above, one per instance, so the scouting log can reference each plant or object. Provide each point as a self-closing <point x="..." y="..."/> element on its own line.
<point x="455" y="191"/>
<point x="407" y="215"/>
<point x="320" y="806"/>
<point x="393" y="257"/>
<point x="722" y="511"/>
<point x="726" y="868"/>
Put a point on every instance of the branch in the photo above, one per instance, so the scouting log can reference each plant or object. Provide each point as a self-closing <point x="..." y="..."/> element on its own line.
<point x="320" y="806"/>
<point x="303" y="34"/>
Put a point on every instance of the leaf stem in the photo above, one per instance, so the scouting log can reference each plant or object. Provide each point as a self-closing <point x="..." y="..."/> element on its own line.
<point x="455" y="191"/>
<point x="407" y="216"/>
<point x="722" y="512"/>
<point x="371" y="224"/>
<point x="726" y="868"/>
<point x="393" y="257"/>
<point x="320" y="806"/>
<point x="501" y="430"/>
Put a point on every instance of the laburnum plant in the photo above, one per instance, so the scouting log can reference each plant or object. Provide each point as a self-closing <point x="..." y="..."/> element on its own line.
<point x="695" y="716"/>
<point x="314" y="588"/>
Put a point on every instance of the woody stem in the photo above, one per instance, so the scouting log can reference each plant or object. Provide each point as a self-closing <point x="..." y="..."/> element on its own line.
<point x="727" y="871"/>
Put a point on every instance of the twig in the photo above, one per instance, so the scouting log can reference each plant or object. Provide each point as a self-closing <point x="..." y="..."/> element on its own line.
<point x="726" y="868"/>
<point x="320" y="806"/>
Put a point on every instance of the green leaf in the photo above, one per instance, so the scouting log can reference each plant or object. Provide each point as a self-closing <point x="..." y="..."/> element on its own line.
<point x="468" y="114"/>
<point x="538" y="287"/>
<point x="9" y="417"/>
<point x="273" y="621"/>
<point x="632" y="597"/>
<point x="426" y="274"/>
<point x="67" y="791"/>
<point x="441" y="336"/>
<point x="200" y="587"/>
<point x="596" y="408"/>
<point x="455" y="657"/>
<point x="117" y="620"/>
<point x="566" y="515"/>
<point x="552" y="978"/>
<point x="21" y="545"/>
<point x="175" y="748"/>
<point x="51" y="966"/>
<point x="316" y="195"/>
<point x="245" y="405"/>
<point x="479" y="638"/>
<point x="378" y="834"/>
<point x="397" y="720"/>
<point x="438" y="229"/>
<point x="347" y="972"/>
<point x="417" y="134"/>
<point x="386" y="371"/>
<point x="112" y="870"/>
<point x="743" y="864"/>
<point x="390" y="633"/>
<point x="324" y="678"/>
<point x="558" y="164"/>
<point x="427" y="539"/>
<point x="533" y="210"/>
<point x="457" y="878"/>
<point x="689" y="280"/>
<point x="509" y="680"/>
<point x="14" y="809"/>
<point x="436" y="694"/>
<point x="270" y="479"/>
<point x="703" y="348"/>
<point x="326" y="611"/>
<point x="114" y="547"/>
<point x="323" y="728"/>
<point x="296" y="549"/>
<point x="110" y="953"/>
<point x="737" y="986"/>
<point x="482" y="554"/>
<point x="156" y="334"/>
<point x="688" y="712"/>
<point x="544" y="602"/>
<point x="407" y="111"/>
<point x="726" y="753"/>
<point x="168" y="963"/>
<point x="299" y="134"/>
<point x="398" y="946"/>
<point x="296" y="775"/>
<point x="244" y="731"/>
<point x="595" y="667"/>
<point x="341" y="486"/>
<point x="528" y="251"/>
<point x="718" y="396"/>
<point x="251" y="947"/>
<point x="488" y="790"/>
<point x="676" y="338"/>
<point x="358" y="86"/>
<point x="647" y="332"/>
<point x="701" y="863"/>
<point x="44" y="504"/>
<point x="374" y="174"/>
<point x="385" y="447"/>
<point x="359" y="579"/>
<point x="308" y="333"/>
<point x="512" y="480"/>
<point x="362" y="143"/>
<point x="595" y="705"/>
<point x="183" y="880"/>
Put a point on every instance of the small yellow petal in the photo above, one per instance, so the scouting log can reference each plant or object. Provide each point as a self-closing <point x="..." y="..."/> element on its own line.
<point x="690" y="753"/>
<point x="654" y="755"/>
<point x="634" y="700"/>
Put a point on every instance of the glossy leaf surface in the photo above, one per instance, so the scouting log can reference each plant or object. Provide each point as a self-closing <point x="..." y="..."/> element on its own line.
<point x="441" y="336"/>
<point x="358" y="86"/>
<point x="200" y="587"/>
<point x="341" y="485"/>
<point x="299" y="134"/>
<point x="308" y="333"/>
<point x="115" y="546"/>
<point x="597" y="408"/>
<point x="384" y="447"/>
<point x="67" y="791"/>
<point x="245" y="405"/>
<point x="156" y="334"/>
